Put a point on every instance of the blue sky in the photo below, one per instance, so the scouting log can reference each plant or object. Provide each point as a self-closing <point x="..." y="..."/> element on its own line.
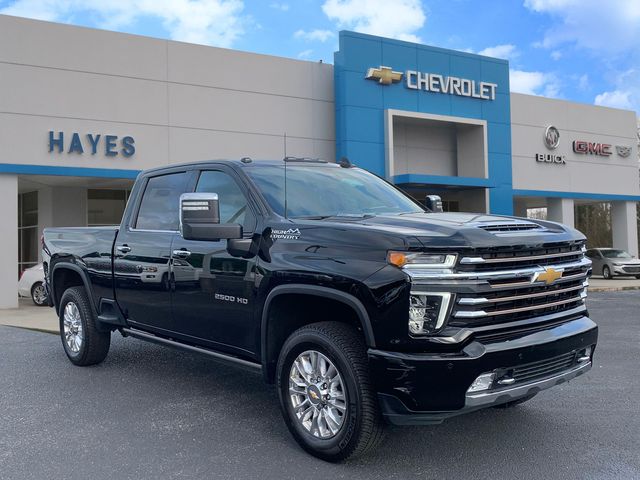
<point x="581" y="50"/>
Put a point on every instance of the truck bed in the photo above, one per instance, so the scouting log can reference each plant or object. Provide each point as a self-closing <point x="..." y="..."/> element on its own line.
<point x="90" y="249"/>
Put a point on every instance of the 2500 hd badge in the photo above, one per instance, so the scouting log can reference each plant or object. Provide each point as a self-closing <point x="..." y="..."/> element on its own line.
<point x="381" y="310"/>
<point x="230" y="298"/>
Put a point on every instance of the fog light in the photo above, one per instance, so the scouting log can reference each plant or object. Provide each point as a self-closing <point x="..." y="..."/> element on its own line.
<point x="584" y="355"/>
<point x="483" y="382"/>
<point x="427" y="312"/>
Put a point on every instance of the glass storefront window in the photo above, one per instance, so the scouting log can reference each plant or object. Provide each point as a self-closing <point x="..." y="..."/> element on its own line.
<point x="105" y="207"/>
<point x="27" y="230"/>
<point x="29" y="210"/>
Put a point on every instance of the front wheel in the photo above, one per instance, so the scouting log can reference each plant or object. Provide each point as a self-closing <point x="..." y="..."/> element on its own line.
<point x="325" y="393"/>
<point x="606" y="273"/>
<point x="83" y="342"/>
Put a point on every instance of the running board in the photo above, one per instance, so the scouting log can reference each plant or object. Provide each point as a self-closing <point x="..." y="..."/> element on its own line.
<point x="228" y="359"/>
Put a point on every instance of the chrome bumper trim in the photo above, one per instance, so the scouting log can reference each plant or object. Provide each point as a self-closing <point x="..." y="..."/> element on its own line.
<point x="505" y="395"/>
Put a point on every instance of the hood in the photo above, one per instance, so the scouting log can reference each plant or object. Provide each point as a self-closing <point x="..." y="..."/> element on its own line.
<point x="454" y="229"/>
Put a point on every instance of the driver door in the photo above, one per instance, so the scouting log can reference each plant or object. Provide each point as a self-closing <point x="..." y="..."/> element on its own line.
<point x="213" y="292"/>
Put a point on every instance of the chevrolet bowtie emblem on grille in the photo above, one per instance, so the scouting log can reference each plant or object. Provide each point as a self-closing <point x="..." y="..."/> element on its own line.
<point x="549" y="276"/>
<point x="384" y="75"/>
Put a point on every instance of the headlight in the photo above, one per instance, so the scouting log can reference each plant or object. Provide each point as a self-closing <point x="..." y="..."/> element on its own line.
<point x="428" y="312"/>
<point x="421" y="260"/>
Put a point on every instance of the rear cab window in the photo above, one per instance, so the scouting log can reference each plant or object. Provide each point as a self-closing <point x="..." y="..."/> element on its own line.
<point x="159" y="206"/>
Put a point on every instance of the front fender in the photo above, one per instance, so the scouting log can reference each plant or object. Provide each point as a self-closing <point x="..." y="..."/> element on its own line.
<point x="319" y="291"/>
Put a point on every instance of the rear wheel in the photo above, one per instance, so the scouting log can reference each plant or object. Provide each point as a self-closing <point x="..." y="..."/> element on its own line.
<point x="83" y="343"/>
<point x="39" y="294"/>
<point x="606" y="273"/>
<point x="638" y="277"/>
<point x="325" y="393"/>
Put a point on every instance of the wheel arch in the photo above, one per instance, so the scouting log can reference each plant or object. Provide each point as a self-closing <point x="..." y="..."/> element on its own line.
<point x="348" y="301"/>
<point x="64" y="276"/>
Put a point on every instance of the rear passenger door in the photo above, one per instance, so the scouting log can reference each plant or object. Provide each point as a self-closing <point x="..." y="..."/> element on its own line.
<point x="143" y="252"/>
<point x="214" y="292"/>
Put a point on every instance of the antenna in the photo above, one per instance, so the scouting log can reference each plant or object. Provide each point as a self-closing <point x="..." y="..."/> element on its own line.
<point x="285" y="175"/>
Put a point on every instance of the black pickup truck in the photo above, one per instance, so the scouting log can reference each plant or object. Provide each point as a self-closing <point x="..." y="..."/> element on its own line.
<point x="360" y="304"/>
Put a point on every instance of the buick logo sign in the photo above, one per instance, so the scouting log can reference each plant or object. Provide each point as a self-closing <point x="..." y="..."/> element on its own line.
<point x="551" y="137"/>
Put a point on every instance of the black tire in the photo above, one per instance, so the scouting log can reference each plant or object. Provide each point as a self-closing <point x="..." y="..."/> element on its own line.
<point x="606" y="273"/>
<point x="95" y="344"/>
<point x="638" y="277"/>
<point x="362" y="429"/>
<point x="515" y="403"/>
<point x="36" y="298"/>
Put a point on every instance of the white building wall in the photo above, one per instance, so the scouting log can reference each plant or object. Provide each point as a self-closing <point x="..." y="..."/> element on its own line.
<point x="614" y="174"/>
<point x="623" y="223"/>
<point x="9" y="241"/>
<point x="180" y="102"/>
<point x="561" y="210"/>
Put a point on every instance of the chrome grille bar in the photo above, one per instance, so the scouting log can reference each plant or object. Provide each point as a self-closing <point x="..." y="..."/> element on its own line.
<point x="542" y="306"/>
<point x="514" y="273"/>
<point x="482" y="261"/>
<point x="546" y="293"/>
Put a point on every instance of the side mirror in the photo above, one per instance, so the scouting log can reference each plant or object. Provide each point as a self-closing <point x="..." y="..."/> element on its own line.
<point x="200" y="218"/>
<point x="433" y="203"/>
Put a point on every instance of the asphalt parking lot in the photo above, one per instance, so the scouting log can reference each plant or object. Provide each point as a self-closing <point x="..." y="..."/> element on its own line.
<point x="152" y="412"/>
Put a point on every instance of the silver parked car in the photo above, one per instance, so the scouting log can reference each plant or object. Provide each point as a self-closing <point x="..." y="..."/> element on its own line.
<point x="611" y="262"/>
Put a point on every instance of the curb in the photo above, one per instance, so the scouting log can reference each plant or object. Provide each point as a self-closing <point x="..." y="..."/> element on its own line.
<point x="33" y="329"/>
<point x="612" y="289"/>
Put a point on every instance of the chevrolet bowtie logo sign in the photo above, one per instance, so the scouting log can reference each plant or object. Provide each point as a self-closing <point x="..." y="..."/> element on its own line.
<point x="384" y="75"/>
<point x="549" y="276"/>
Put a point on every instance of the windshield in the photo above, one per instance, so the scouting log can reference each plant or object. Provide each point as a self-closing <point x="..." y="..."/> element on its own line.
<point x="327" y="191"/>
<point x="615" y="254"/>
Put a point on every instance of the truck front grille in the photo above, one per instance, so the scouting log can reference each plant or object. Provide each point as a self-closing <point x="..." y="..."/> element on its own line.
<point x="519" y="291"/>
<point x="503" y="288"/>
<point x="519" y="303"/>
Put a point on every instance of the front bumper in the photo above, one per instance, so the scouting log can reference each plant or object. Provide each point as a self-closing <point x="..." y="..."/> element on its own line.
<point x="626" y="270"/>
<point x="426" y="388"/>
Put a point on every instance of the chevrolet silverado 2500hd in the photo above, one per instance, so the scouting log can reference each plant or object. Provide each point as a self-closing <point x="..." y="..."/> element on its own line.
<point x="357" y="302"/>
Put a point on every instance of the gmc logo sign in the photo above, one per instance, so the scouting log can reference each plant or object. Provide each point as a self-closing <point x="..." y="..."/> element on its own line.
<point x="591" y="148"/>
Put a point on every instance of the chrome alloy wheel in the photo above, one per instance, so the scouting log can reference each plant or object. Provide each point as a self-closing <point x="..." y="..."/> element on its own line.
<point x="39" y="294"/>
<point x="317" y="394"/>
<point x="72" y="325"/>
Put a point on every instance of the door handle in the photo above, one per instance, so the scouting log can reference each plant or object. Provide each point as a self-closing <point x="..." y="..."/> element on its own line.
<point x="181" y="253"/>
<point x="123" y="248"/>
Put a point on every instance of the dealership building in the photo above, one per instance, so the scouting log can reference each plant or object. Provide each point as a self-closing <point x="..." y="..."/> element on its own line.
<point x="82" y="111"/>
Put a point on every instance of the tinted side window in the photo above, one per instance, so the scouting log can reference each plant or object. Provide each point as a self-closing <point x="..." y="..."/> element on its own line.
<point x="159" y="206"/>
<point x="233" y="203"/>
